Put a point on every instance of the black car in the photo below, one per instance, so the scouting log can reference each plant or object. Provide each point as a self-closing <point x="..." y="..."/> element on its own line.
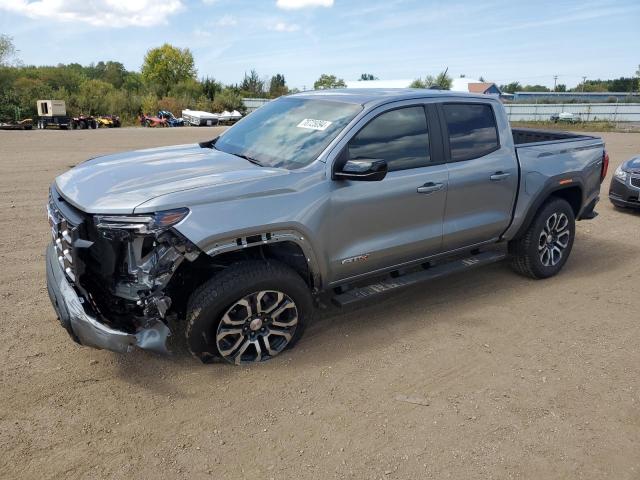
<point x="625" y="184"/>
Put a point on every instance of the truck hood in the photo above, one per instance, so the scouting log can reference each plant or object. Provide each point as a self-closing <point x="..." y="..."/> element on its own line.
<point x="119" y="183"/>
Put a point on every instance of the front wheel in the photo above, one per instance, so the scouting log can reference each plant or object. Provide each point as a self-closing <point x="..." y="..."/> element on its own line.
<point x="248" y="313"/>
<point x="545" y="247"/>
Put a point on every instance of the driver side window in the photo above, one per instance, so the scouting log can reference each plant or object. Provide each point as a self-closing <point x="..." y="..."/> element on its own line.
<point x="400" y="137"/>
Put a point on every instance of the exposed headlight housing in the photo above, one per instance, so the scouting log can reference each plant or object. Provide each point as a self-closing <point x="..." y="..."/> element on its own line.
<point x="621" y="174"/>
<point x="142" y="224"/>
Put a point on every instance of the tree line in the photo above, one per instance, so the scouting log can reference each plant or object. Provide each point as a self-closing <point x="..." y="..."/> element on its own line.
<point x="167" y="81"/>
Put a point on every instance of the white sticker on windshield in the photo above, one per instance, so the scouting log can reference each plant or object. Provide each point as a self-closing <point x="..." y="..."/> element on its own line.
<point x="312" y="124"/>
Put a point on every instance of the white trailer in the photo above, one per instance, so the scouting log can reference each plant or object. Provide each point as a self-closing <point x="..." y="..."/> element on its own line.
<point x="199" y="118"/>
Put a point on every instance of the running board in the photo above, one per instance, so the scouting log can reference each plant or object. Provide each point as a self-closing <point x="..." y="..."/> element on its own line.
<point x="392" y="284"/>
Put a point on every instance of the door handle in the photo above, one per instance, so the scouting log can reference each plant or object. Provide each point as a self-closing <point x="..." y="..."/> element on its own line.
<point x="430" y="187"/>
<point x="499" y="176"/>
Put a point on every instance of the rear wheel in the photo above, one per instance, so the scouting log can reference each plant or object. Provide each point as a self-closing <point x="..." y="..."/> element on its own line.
<point x="545" y="247"/>
<point x="248" y="313"/>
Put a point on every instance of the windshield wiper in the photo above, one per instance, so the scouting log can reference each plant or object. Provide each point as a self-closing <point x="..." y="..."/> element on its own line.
<point x="252" y="160"/>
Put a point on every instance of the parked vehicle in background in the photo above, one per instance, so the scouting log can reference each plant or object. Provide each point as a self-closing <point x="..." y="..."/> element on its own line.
<point x="152" y="121"/>
<point x="624" y="190"/>
<point x="52" y="112"/>
<point x="83" y="122"/>
<point x="26" y="124"/>
<point x="171" y="120"/>
<point x="108" y="121"/>
<point x="341" y="195"/>
<point x="229" y="118"/>
<point x="566" y="117"/>
<point x="199" y="118"/>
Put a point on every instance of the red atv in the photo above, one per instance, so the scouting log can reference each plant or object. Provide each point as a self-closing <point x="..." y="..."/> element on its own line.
<point x="147" y="121"/>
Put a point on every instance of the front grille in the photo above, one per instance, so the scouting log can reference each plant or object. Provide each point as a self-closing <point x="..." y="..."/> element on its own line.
<point x="635" y="181"/>
<point x="64" y="234"/>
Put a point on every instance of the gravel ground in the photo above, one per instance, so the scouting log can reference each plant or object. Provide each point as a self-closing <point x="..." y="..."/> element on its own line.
<point x="482" y="375"/>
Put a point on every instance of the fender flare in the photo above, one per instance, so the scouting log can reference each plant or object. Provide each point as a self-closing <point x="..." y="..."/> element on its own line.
<point x="549" y="189"/>
<point x="241" y="242"/>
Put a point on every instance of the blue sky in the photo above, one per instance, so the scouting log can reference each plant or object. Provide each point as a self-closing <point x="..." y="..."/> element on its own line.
<point x="395" y="39"/>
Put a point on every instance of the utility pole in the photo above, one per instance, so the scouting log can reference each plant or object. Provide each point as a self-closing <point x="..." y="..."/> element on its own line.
<point x="555" y="81"/>
<point x="584" y="80"/>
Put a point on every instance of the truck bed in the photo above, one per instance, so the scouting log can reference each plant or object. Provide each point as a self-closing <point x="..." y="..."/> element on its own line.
<point x="523" y="136"/>
<point x="547" y="158"/>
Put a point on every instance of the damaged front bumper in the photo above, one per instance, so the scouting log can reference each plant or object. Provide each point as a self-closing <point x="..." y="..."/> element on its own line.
<point x="85" y="328"/>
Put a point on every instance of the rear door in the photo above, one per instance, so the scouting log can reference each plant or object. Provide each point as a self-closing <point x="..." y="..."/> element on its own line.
<point x="483" y="174"/>
<point x="378" y="225"/>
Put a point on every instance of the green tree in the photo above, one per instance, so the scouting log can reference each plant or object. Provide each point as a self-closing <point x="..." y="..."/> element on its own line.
<point x="367" y="76"/>
<point x="187" y="89"/>
<point x="112" y="72"/>
<point x="93" y="95"/>
<point x="442" y="81"/>
<point x="252" y="84"/>
<point x="211" y="87"/>
<point x="278" y="86"/>
<point x="328" y="81"/>
<point x="227" y="100"/>
<point x="7" y="50"/>
<point x="535" y="88"/>
<point x="167" y="65"/>
<point x="561" y="87"/>
<point x="132" y="82"/>
<point x="512" y="87"/>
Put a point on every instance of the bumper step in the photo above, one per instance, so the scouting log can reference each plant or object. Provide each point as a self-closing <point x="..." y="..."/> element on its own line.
<point x="392" y="284"/>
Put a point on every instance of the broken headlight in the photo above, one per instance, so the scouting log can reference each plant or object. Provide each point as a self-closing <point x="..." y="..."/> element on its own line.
<point x="144" y="223"/>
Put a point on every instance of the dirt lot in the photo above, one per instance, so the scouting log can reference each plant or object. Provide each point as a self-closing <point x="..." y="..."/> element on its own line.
<point x="517" y="378"/>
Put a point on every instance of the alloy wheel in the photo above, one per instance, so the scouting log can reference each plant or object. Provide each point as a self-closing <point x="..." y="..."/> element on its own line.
<point x="257" y="327"/>
<point x="554" y="239"/>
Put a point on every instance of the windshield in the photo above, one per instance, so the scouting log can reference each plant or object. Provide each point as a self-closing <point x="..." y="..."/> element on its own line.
<point x="288" y="132"/>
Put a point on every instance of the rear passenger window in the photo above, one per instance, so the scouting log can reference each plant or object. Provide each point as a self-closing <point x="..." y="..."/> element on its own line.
<point x="399" y="136"/>
<point x="472" y="130"/>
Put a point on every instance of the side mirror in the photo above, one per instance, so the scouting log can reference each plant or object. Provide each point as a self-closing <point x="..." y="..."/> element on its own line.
<point x="367" y="170"/>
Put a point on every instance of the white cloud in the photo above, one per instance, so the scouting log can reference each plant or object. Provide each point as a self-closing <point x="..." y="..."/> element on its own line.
<point x="198" y="32"/>
<point x="298" y="4"/>
<point x="226" y="21"/>
<point x="102" y="13"/>
<point x="284" y="27"/>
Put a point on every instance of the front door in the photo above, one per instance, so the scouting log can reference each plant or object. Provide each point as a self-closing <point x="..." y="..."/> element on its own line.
<point x="379" y="225"/>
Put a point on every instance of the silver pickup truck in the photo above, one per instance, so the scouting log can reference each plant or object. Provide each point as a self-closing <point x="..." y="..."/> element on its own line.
<point x="337" y="195"/>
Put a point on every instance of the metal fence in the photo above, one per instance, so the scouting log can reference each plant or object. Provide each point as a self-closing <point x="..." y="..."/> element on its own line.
<point x="252" y="104"/>
<point x="588" y="112"/>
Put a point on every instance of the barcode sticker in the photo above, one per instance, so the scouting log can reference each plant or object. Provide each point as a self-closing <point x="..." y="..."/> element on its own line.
<point x="312" y="124"/>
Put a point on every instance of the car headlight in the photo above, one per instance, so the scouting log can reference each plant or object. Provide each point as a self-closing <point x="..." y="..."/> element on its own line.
<point x="620" y="174"/>
<point x="145" y="223"/>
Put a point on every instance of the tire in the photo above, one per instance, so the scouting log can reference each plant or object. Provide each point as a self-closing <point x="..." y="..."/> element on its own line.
<point x="147" y="123"/>
<point x="94" y="124"/>
<point x="82" y="125"/>
<point x="233" y="315"/>
<point x="546" y="245"/>
<point x="73" y="125"/>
